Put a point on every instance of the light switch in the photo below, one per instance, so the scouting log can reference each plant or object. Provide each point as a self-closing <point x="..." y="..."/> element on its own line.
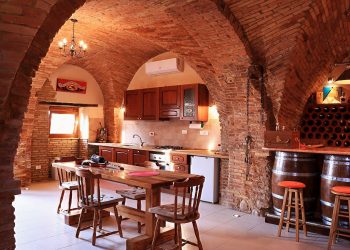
<point x="204" y="132"/>
<point x="184" y="131"/>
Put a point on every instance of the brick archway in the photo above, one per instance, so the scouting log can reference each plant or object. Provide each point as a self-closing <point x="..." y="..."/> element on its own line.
<point x="221" y="59"/>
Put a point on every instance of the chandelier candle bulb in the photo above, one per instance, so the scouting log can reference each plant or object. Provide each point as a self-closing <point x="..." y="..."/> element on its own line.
<point x="73" y="48"/>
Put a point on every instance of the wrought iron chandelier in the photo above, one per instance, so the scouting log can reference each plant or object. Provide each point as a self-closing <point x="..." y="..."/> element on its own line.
<point x="73" y="49"/>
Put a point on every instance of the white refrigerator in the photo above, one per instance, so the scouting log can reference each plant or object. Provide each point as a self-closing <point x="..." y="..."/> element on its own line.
<point x="209" y="168"/>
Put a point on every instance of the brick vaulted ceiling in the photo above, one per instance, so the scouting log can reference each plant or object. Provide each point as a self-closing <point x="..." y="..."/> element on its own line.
<point x="289" y="38"/>
<point x="297" y="42"/>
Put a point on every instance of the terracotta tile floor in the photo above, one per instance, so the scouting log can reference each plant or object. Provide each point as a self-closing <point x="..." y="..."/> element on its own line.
<point x="39" y="227"/>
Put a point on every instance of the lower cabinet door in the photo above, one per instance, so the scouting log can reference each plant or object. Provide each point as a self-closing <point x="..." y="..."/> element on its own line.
<point x="139" y="157"/>
<point x="123" y="155"/>
<point x="106" y="153"/>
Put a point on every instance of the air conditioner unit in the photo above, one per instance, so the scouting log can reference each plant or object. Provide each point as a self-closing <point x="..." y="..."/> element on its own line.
<point x="172" y="65"/>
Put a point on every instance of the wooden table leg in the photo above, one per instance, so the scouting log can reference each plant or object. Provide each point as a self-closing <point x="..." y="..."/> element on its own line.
<point x="141" y="242"/>
<point x="152" y="200"/>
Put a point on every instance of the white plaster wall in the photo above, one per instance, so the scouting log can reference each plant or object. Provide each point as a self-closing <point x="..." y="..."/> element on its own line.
<point x="93" y="92"/>
<point x="90" y="117"/>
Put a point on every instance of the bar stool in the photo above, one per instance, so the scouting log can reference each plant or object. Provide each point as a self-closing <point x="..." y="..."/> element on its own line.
<point x="296" y="188"/>
<point x="342" y="193"/>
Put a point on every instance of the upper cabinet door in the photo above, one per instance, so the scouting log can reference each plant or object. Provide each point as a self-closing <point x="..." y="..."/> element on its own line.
<point x="169" y="102"/>
<point x="132" y="101"/>
<point x="150" y="104"/>
<point x="194" y="102"/>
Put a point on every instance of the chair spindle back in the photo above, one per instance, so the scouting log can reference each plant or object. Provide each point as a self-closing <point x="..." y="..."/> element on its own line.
<point x="87" y="181"/>
<point x="195" y="187"/>
<point x="65" y="175"/>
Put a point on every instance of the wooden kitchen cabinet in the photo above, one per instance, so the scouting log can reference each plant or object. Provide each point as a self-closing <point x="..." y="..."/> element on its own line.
<point x="140" y="156"/>
<point x="187" y="102"/>
<point x="132" y="101"/>
<point x="169" y="102"/>
<point x="194" y="102"/>
<point x="180" y="162"/>
<point x="106" y="152"/>
<point x="149" y="104"/>
<point x="123" y="155"/>
<point x="141" y="104"/>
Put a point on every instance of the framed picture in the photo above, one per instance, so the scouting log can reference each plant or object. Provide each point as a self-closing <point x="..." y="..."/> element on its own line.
<point x="71" y="86"/>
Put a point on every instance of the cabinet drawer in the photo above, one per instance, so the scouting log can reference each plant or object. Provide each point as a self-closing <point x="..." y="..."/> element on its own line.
<point x="181" y="168"/>
<point x="169" y="113"/>
<point x="140" y="152"/>
<point x="179" y="158"/>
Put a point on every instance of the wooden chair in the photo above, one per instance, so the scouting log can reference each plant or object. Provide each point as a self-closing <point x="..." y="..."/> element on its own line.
<point x="67" y="181"/>
<point x="92" y="199"/>
<point x="137" y="194"/>
<point x="342" y="194"/>
<point x="296" y="188"/>
<point x="184" y="210"/>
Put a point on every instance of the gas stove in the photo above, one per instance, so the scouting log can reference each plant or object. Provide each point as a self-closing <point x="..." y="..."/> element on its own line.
<point x="169" y="147"/>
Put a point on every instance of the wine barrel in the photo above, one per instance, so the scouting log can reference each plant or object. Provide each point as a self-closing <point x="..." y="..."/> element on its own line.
<point x="335" y="172"/>
<point x="296" y="167"/>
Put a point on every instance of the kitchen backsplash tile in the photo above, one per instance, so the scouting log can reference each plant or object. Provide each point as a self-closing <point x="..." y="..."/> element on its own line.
<point x="170" y="133"/>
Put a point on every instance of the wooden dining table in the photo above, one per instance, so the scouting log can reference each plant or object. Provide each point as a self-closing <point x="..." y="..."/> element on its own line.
<point x="117" y="172"/>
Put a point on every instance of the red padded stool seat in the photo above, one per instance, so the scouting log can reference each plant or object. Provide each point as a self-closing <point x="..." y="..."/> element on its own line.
<point x="291" y="184"/>
<point x="341" y="189"/>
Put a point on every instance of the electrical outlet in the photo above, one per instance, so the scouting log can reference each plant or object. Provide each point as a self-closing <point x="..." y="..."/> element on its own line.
<point x="151" y="133"/>
<point x="204" y="132"/>
<point x="37" y="167"/>
<point x="184" y="131"/>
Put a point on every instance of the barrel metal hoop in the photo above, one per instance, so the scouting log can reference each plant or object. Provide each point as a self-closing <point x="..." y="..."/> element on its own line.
<point x="333" y="178"/>
<point x="293" y="174"/>
<point x="280" y="197"/>
<point x="337" y="163"/>
<point x="278" y="210"/>
<point x="330" y="204"/>
<point x="293" y="159"/>
<point x="328" y="221"/>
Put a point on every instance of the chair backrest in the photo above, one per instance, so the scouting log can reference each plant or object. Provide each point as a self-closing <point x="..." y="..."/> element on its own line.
<point x="64" y="174"/>
<point x="88" y="187"/>
<point x="189" y="206"/>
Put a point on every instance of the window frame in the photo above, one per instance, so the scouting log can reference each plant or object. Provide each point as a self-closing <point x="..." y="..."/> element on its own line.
<point x="64" y="110"/>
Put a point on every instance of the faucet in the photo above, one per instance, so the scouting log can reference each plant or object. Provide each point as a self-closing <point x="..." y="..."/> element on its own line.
<point x="136" y="135"/>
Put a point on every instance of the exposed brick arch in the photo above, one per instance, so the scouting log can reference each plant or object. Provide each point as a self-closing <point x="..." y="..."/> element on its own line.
<point x="213" y="49"/>
<point x="321" y="44"/>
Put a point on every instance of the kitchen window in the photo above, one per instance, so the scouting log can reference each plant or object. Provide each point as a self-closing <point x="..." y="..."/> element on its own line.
<point x="63" y="122"/>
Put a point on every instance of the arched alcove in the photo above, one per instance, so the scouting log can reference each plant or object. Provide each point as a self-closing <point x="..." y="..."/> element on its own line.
<point x="171" y="132"/>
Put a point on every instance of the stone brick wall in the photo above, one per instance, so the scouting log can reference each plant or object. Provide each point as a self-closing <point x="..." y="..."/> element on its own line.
<point x="297" y="43"/>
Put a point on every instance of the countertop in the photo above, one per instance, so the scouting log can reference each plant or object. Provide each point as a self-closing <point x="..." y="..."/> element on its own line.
<point x="323" y="150"/>
<point x="195" y="152"/>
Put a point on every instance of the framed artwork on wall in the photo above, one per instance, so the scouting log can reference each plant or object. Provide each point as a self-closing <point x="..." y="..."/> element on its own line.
<point x="71" y="86"/>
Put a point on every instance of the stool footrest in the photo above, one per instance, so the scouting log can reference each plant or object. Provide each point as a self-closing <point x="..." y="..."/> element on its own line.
<point x="344" y="215"/>
<point x="344" y="235"/>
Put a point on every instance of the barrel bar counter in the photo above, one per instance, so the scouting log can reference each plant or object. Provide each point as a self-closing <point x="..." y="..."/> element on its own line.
<point x="319" y="177"/>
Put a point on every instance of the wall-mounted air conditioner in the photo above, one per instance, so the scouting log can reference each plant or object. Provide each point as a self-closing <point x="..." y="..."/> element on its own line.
<point x="172" y="65"/>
